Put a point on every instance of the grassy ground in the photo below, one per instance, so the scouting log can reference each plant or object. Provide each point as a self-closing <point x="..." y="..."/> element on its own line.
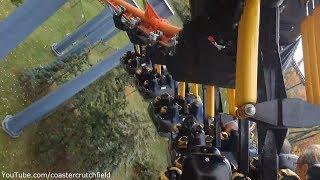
<point x="33" y="52"/>
<point x="159" y="145"/>
<point x="16" y="155"/>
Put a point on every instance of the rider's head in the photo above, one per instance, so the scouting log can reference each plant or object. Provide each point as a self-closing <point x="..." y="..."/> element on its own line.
<point x="309" y="157"/>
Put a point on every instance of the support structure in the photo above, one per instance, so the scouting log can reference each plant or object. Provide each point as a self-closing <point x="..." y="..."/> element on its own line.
<point x="149" y="21"/>
<point x="14" y="125"/>
<point x="313" y="57"/>
<point x="210" y="102"/>
<point x="231" y="97"/>
<point x="182" y="90"/>
<point x="81" y="32"/>
<point x="247" y="54"/>
<point x="310" y="44"/>
<point x="101" y="34"/>
<point x="195" y="90"/>
<point x="162" y="7"/>
<point x="247" y="73"/>
<point x="270" y="87"/>
<point x="15" y="28"/>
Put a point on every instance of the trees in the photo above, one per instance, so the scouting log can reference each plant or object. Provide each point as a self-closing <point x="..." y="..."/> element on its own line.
<point x="17" y="2"/>
<point x="95" y="131"/>
<point x="39" y="81"/>
<point x="183" y="8"/>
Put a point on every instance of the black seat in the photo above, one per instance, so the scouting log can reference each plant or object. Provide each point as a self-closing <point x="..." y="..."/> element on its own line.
<point x="206" y="167"/>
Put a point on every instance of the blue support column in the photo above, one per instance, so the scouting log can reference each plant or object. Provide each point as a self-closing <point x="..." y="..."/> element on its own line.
<point x="82" y="31"/>
<point x="162" y="8"/>
<point x="102" y="33"/>
<point x="14" y="125"/>
<point x="23" y="21"/>
<point x="134" y="3"/>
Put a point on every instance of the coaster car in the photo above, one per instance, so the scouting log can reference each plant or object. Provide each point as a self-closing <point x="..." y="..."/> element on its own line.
<point x="132" y="62"/>
<point x="206" y="166"/>
<point x="135" y="36"/>
<point x="167" y="111"/>
<point x="151" y="84"/>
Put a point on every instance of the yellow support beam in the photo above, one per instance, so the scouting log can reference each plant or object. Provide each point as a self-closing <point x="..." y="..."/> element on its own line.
<point x="316" y="28"/>
<point x="195" y="90"/>
<point x="182" y="89"/>
<point x="247" y="54"/>
<point x="158" y="68"/>
<point x="310" y="35"/>
<point x="313" y="59"/>
<point x="210" y="103"/>
<point x="231" y="97"/>
<point x="306" y="58"/>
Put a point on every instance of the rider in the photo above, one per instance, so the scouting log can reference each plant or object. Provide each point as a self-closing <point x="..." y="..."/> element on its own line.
<point x="310" y="157"/>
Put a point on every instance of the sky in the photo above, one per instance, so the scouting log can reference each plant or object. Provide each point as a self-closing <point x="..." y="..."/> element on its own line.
<point x="298" y="56"/>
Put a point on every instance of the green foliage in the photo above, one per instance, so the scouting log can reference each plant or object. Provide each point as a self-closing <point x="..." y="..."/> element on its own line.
<point x="145" y="170"/>
<point x="17" y="2"/>
<point x="39" y="81"/>
<point x="59" y="70"/>
<point x="32" y="52"/>
<point x="95" y="132"/>
<point x="183" y="8"/>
